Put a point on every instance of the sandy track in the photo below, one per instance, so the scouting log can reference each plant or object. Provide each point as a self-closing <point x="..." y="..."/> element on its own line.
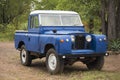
<point x="11" y="68"/>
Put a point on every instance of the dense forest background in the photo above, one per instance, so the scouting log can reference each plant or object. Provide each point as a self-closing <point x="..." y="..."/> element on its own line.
<point x="98" y="16"/>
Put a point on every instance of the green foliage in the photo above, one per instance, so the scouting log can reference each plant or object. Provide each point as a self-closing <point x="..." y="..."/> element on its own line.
<point x="11" y="9"/>
<point x="114" y="45"/>
<point x="13" y="16"/>
<point x="45" y="4"/>
<point x="8" y="33"/>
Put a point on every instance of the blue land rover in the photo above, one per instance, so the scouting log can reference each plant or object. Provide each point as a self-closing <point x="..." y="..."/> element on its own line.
<point x="61" y="38"/>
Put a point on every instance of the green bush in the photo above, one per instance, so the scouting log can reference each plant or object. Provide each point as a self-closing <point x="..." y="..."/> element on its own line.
<point x="114" y="45"/>
<point x="7" y="34"/>
<point x="7" y="31"/>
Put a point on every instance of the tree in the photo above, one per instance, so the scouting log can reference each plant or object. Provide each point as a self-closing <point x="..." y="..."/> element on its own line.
<point x="104" y="16"/>
<point x="118" y="19"/>
<point x="110" y="18"/>
<point x="12" y="9"/>
<point x="45" y="4"/>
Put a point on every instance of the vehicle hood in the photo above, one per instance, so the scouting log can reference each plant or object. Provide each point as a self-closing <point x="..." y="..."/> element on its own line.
<point x="63" y="32"/>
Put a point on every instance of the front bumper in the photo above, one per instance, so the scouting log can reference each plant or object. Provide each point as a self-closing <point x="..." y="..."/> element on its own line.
<point x="82" y="53"/>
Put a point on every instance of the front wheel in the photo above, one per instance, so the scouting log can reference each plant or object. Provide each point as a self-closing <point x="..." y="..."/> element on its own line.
<point x="25" y="56"/>
<point x="54" y="63"/>
<point x="96" y="64"/>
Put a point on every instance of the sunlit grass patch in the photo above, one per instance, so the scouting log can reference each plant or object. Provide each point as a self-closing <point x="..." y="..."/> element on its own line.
<point x="100" y="75"/>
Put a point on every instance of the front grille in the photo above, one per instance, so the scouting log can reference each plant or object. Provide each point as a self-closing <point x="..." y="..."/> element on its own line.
<point x="79" y="42"/>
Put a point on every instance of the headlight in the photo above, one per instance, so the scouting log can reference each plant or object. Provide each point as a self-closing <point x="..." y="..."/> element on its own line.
<point x="105" y="39"/>
<point x="88" y="38"/>
<point x="72" y="38"/>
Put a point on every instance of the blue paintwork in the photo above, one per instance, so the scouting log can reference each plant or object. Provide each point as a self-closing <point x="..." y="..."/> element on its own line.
<point x="82" y="51"/>
<point x="62" y="29"/>
<point x="37" y="38"/>
<point x="99" y="46"/>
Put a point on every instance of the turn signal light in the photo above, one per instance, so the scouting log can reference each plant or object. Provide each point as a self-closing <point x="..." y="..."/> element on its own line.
<point x="61" y="40"/>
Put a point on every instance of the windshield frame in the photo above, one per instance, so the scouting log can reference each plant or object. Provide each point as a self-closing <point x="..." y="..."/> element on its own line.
<point x="60" y="17"/>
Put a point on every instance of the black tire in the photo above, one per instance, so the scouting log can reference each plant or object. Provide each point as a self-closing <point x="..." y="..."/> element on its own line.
<point x="25" y="56"/>
<point x="97" y="64"/>
<point x="59" y="62"/>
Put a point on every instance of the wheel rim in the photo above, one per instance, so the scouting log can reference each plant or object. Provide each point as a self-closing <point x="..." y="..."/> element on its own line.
<point x="23" y="56"/>
<point x="52" y="61"/>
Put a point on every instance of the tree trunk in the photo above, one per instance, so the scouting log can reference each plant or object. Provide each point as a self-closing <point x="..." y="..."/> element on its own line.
<point x="118" y="19"/>
<point x="111" y="20"/>
<point x="104" y="16"/>
<point x="104" y="30"/>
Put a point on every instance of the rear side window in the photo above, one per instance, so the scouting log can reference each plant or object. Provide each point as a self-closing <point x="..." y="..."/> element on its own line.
<point x="34" y="22"/>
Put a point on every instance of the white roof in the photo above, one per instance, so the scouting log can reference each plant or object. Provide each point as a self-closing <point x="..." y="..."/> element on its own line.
<point x="52" y="12"/>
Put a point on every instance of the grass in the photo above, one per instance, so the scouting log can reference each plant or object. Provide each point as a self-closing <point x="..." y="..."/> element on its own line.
<point x="94" y="75"/>
<point x="99" y="75"/>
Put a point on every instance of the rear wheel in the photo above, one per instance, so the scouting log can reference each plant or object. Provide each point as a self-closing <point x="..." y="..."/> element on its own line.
<point x="25" y="56"/>
<point x="54" y="63"/>
<point x="96" y="64"/>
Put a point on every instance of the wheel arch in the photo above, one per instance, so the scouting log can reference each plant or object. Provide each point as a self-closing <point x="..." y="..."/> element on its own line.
<point x="20" y="44"/>
<point x="47" y="47"/>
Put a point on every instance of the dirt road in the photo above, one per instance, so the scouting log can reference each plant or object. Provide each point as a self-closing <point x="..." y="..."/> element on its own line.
<point x="11" y="68"/>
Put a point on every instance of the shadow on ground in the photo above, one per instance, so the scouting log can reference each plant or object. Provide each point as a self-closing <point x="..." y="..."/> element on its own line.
<point x="67" y="69"/>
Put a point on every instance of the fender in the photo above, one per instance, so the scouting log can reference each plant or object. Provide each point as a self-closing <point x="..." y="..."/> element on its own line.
<point x="55" y="41"/>
<point x="99" y="43"/>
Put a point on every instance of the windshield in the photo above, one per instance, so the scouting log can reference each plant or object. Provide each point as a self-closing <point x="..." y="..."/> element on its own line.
<point x="60" y="20"/>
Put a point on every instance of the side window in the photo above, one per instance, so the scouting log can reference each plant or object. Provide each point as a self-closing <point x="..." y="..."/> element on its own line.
<point x="34" y="22"/>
